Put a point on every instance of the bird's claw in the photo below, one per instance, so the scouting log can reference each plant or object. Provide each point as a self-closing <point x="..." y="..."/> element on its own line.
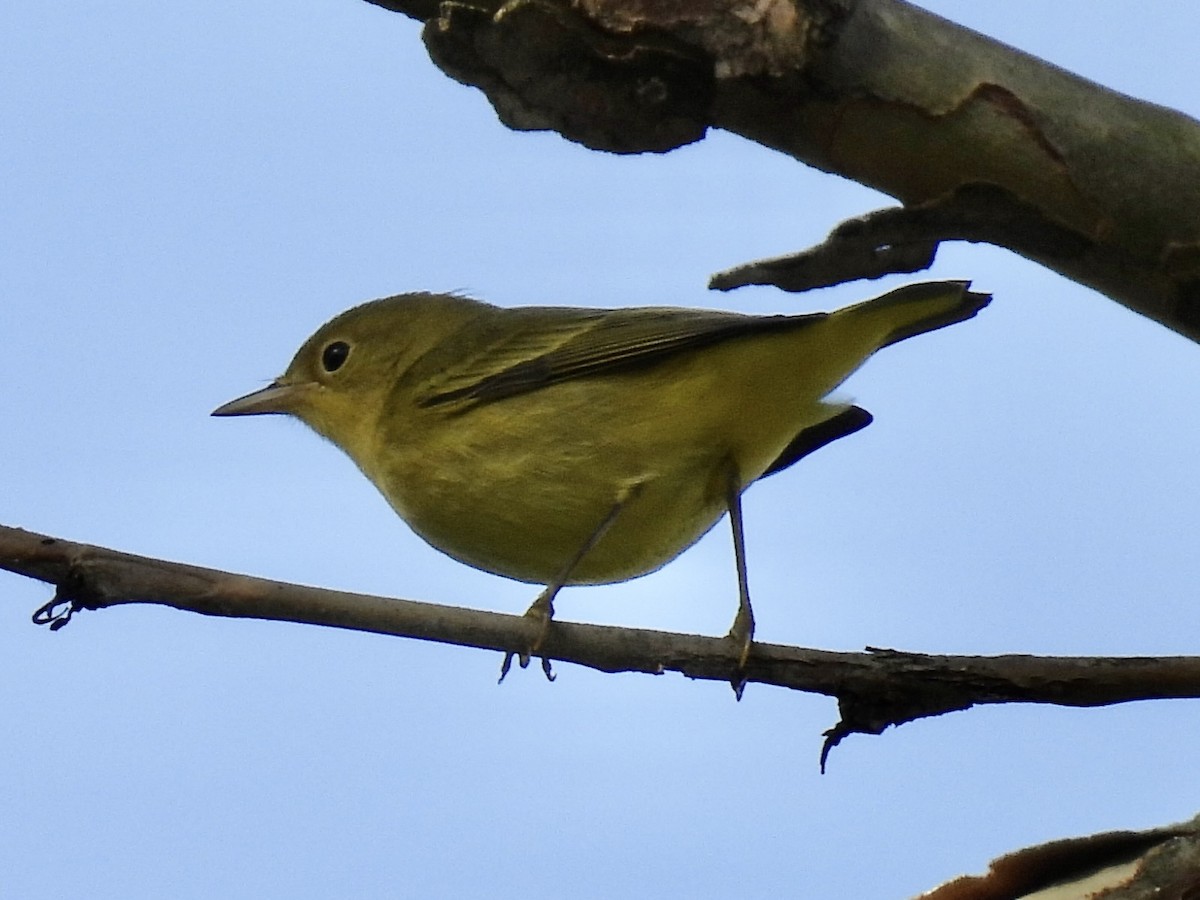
<point x="541" y="612"/>
<point x="523" y="662"/>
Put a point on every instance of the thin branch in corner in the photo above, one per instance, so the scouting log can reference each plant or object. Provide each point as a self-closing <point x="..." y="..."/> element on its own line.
<point x="875" y="689"/>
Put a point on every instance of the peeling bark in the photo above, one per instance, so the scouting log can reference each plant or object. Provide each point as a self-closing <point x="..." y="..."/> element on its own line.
<point x="880" y="91"/>
<point x="1159" y="864"/>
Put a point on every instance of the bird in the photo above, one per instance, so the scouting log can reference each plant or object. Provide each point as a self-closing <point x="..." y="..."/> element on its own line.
<point x="559" y="446"/>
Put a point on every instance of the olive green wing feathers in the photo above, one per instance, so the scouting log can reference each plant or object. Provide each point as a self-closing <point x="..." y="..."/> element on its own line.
<point x="534" y="348"/>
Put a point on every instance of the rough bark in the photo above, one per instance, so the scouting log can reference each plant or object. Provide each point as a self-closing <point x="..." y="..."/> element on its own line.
<point x="1159" y="864"/>
<point x="977" y="140"/>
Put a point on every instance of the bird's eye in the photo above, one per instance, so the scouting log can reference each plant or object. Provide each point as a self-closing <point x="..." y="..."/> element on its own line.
<point x="335" y="355"/>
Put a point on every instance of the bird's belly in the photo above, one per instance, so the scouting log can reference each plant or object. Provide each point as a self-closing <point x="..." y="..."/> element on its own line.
<point x="517" y="487"/>
<point x="513" y="497"/>
<point x="528" y="519"/>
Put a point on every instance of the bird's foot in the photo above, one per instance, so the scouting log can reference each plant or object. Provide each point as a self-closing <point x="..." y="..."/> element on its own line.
<point x="540" y="612"/>
<point x="741" y="633"/>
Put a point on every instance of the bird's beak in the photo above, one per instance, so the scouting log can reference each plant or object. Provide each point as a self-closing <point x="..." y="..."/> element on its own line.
<point x="276" y="397"/>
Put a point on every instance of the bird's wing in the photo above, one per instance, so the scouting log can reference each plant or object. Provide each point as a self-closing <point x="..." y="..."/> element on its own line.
<point x="540" y="347"/>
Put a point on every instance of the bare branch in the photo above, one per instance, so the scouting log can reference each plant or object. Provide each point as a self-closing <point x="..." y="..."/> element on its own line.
<point x="874" y="689"/>
<point x="906" y="239"/>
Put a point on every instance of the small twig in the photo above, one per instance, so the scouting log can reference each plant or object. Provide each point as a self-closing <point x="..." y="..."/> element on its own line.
<point x="904" y="239"/>
<point x="875" y="689"/>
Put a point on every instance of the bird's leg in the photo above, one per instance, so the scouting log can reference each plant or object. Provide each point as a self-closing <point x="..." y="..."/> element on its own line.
<point x="742" y="630"/>
<point x="541" y="610"/>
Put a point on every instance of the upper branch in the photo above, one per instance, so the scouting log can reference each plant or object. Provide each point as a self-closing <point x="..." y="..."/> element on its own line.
<point x="876" y="90"/>
<point x="874" y="689"/>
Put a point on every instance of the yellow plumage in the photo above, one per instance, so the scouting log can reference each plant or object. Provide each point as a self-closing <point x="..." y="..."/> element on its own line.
<point x="515" y="439"/>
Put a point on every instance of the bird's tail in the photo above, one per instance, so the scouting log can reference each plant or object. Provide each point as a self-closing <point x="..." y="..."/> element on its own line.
<point x="916" y="309"/>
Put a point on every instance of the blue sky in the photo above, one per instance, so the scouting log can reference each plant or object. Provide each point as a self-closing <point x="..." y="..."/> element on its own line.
<point x="190" y="189"/>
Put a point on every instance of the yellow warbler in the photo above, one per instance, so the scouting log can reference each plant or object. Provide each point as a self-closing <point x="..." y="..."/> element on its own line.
<point x="584" y="446"/>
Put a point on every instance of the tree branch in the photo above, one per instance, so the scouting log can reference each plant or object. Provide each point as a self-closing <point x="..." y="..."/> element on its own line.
<point x="1159" y="863"/>
<point x="874" y="689"/>
<point x="905" y="239"/>
<point x="879" y="91"/>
